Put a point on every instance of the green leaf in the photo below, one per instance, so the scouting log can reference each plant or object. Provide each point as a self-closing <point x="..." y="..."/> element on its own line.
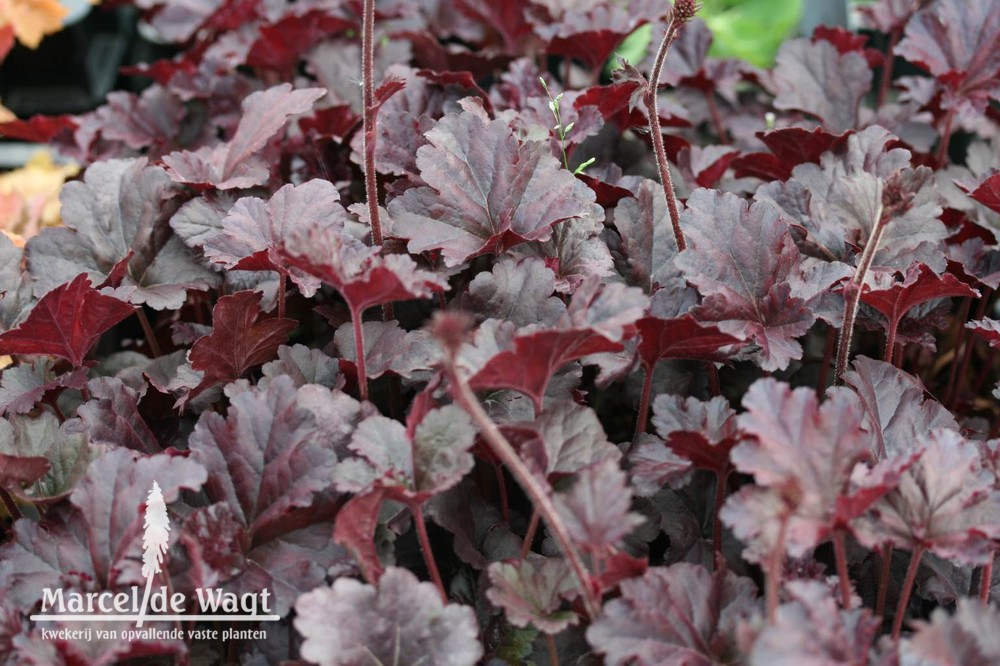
<point x="751" y="30"/>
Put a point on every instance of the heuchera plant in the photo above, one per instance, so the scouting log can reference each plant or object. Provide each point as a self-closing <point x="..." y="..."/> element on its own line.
<point x="503" y="358"/>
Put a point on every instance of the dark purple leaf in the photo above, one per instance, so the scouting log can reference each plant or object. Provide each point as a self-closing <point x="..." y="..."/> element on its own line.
<point x="235" y="163"/>
<point x="217" y="552"/>
<point x="15" y="284"/>
<point x="744" y="262"/>
<point x="647" y="239"/>
<point x="66" y="322"/>
<point x="675" y="615"/>
<point x="688" y="54"/>
<point x="388" y="348"/>
<point x="404" y="117"/>
<point x="531" y="592"/>
<point x="946" y="502"/>
<point x="957" y="41"/>
<point x="239" y="340"/>
<point x="201" y="218"/>
<point x="117" y="213"/>
<point x="896" y="406"/>
<point x="652" y="465"/>
<point x="595" y="509"/>
<point x="520" y="292"/>
<point x="705" y="166"/>
<point x="303" y="366"/>
<point x="112" y="416"/>
<point x="178" y="22"/>
<point x="815" y="456"/>
<point x="363" y="276"/>
<point x="264" y="459"/>
<point x="507" y="18"/>
<point x="681" y="338"/>
<point x="280" y="45"/>
<point x="254" y="232"/>
<point x="988" y="329"/>
<point x="987" y="192"/>
<point x="838" y="201"/>
<point x="575" y="252"/>
<point x="702" y="432"/>
<point x="355" y="529"/>
<point x="410" y="469"/>
<point x="894" y="299"/>
<point x="591" y="33"/>
<point x="37" y="128"/>
<point x="24" y="386"/>
<point x="59" y="453"/>
<point x="19" y="471"/>
<point x="401" y="621"/>
<point x="846" y="41"/>
<point x="99" y="538"/>
<point x="815" y="78"/>
<point x="597" y="320"/>
<point x="888" y="15"/>
<point x="790" y="147"/>
<point x="487" y="191"/>
<point x="141" y="121"/>
<point x="810" y="627"/>
<point x="572" y="438"/>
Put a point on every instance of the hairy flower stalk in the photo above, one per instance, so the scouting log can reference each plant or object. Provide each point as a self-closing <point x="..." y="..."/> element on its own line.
<point x="369" y="118"/>
<point x="447" y="329"/>
<point x="684" y="11"/>
<point x="852" y="293"/>
<point x="370" y="139"/>
<point x="896" y="200"/>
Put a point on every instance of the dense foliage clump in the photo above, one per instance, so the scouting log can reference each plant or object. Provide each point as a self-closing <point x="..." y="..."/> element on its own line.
<point x="516" y="352"/>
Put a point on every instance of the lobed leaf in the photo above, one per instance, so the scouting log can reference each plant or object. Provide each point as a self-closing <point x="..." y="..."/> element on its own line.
<point x="486" y="191"/>
<point x="401" y="621"/>
<point x="66" y="322"/>
<point x="679" y="614"/>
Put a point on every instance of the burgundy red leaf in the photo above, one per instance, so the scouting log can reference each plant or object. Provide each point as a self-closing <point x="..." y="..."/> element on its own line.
<point x="66" y="322"/>
<point x="239" y="340"/>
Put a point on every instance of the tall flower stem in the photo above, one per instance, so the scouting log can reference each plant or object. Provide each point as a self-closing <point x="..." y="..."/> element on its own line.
<point x="684" y="11"/>
<point x="890" y="56"/>
<point x="370" y="130"/>
<point x="369" y="118"/>
<point x="852" y="293"/>
<point x="538" y="494"/>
